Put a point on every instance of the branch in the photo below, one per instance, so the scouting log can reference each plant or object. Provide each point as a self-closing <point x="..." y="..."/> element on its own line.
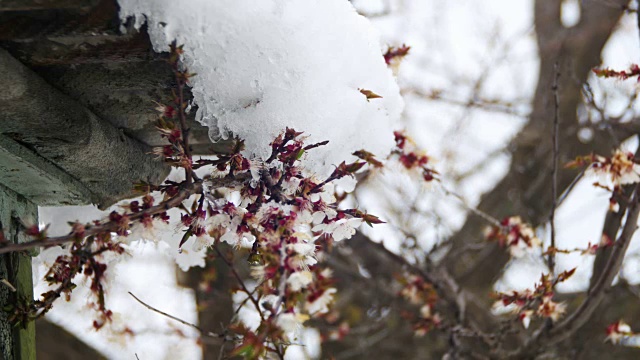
<point x="554" y="169"/>
<point x="110" y="226"/>
<point x="598" y="292"/>
<point x="443" y="282"/>
<point x="181" y="77"/>
<point x="240" y="281"/>
<point x="202" y="331"/>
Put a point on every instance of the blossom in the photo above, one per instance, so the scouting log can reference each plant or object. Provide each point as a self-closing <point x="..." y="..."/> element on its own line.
<point x="619" y="169"/>
<point x="320" y="304"/>
<point x="202" y="241"/>
<point x="512" y="301"/>
<point x="551" y="309"/>
<point x="515" y="234"/>
<point x="426" y="312"/>
<point x="289" y="187"/>
<point x="231" y="238"/>
<point x="328" y="213"/>
<point x="412" y="294"/>
<point x="290" y="322"/>
<point x="525" y="318"/>
<point x="219" y="220"/>
<point x="255" y="166"/>
<point x="304" y="255"/>
<point x="340" y="229"/>
<point x="616" y="332"/>
<point x="299" y="280"/>
<point x="147" y="230"/>
<point x="326" y="195"/>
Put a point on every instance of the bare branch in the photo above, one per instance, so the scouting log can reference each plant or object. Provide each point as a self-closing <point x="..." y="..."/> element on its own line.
<point x="554" y="168"/>
<point x="110" y="226"/>
<point x="598" y="292"/>
<point x="254" y="301"/>
<point x="183" y="322"/>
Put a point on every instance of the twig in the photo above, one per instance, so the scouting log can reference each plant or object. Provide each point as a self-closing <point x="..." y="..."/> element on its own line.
<point x="597" y="293"/>
<point x="247" y="298"/>
<point x="110" y="226"/>
<point x="221" y="353"/>
<point x="201" y="330"/>
<point x="181" y="78"/>
<point x="551" y="261"/>
<point x="239" y="279"/>
<point x="569" y="188"/>
<point x="444" y="284"/>
<point x="474" y="210"/>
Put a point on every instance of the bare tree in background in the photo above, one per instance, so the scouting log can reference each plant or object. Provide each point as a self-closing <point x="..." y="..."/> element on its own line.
<point x="465" y="276"/>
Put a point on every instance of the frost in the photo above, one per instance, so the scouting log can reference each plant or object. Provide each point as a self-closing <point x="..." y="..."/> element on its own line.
<point x="265" y="65"/>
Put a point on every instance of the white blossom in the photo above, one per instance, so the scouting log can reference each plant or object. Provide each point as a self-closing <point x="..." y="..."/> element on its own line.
<point x="321" y="304"/>
<point x="299" y="280"/>
<point x="341" y="229"/>
<point x="305" y="255"/>
<point x="202" y="242"/>
<point x="290" y="322"/>
<point x="148" y="231"/>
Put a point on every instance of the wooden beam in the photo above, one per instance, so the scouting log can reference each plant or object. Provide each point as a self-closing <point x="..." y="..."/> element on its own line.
<point x="32" y="5"/>
<point x="57" y="128"/>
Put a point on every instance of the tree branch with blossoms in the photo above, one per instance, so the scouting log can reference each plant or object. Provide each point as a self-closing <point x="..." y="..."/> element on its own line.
<point x="285" y="219"/>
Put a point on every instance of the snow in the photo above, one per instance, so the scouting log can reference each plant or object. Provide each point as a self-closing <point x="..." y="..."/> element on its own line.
<point x="266" y="65"/>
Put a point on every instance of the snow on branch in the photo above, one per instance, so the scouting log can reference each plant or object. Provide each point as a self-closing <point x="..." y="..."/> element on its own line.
<point x="266" y="65"/>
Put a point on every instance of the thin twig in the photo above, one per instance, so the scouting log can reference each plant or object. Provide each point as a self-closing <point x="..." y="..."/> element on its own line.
<point x="201" y="330"/>
<point x="110" y="226"/>
<point x="181" y="78"/>
<point x="251" y="294"/>
<point x="221" y="353"/>
<point x="474" y="210"/>
<point x="239" y="279"/>
<point x="551" y="261"/>
<point x="569" y="188"/>
<point x="597" y="293"/>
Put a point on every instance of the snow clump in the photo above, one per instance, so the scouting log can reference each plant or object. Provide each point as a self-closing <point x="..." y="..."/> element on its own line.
<point x="266" y="65"/>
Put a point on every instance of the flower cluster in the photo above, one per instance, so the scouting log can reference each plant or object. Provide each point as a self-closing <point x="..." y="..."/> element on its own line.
<point x="411" y="157"/>
<point x="537" y="302"/>
<point x="620" y="333"/>
<point x="622" y="168"/>
<point x="284" y="218"/>
<point x="514" y="234"/>
<point x="84" y="256"/>
<point x="420" y="293"/>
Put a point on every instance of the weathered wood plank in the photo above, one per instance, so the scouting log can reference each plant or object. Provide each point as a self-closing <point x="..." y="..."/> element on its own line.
<point x="31" y="5"/>
<point x="93" y="151"/>
<point x="37" y="179"/>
